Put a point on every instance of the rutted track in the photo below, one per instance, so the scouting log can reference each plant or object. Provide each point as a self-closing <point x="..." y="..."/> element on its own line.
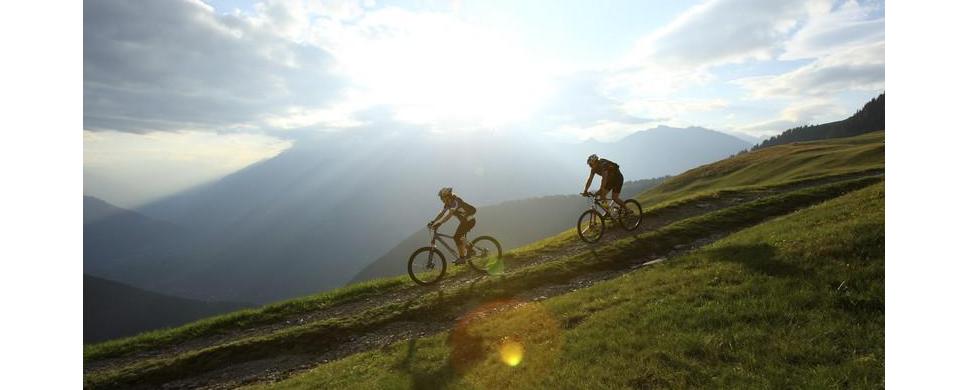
<point x="334" y="345"/>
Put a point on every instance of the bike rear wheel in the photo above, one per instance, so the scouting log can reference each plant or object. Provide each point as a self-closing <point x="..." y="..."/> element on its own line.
<point x="426" y="266"/>
<point x="487" y="258"/>
<point x="632" y="218"/>
<point x="591" y="226"/>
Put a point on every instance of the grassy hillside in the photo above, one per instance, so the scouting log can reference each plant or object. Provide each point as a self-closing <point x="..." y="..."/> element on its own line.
<point x="869" y="118"/>
<point x="706" y="204"/>
<point x="776" y="305"/>
<point x="295" y="342"/>
<point x="775" y="165"/>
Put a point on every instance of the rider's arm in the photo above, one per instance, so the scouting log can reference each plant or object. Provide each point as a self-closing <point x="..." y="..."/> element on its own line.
<point x="440" y="214"/>
<point x="446" y="217"/>
<point x="601" y="188"/>
<point x="591" y="175"/>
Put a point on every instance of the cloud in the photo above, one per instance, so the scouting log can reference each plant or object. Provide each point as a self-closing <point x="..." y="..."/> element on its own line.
<point x="435" y="69"/>
<point x="160" y="65"/>
<point x="849" y="52"/>
<point x="578" y="99"/>
<point x="807" y="112"/>
<point x="858" y="69"/>
<point x="721" y="31"/>
<point x="833" y="30"/>
<point x="672" y="108"/>
<point x="579" y="108"/>
<point x="603" y="130"/>
<point x="717" y="32"/>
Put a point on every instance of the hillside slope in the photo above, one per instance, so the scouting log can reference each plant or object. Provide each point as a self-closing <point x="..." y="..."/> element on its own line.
<point x="778" y="164"/>
<point x="869" y="118"/>
<point x="774" y="306"/>
<point x="285" y="339"/>
<point x="113" y="309"/>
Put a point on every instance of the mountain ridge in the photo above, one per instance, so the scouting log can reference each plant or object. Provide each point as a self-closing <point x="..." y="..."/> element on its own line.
<point x="870" y="118"/>
<point x="113" y="309"/>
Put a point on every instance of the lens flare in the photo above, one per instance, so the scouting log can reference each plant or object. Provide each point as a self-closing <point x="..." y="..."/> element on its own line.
<point x="495" y="266"/>
<point x="489" y="343"/>
<point x="511" y="352"/>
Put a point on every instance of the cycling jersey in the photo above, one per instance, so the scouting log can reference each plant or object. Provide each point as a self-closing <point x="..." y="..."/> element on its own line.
<point x="615" y="179"/>
<point x="606" y="166"/>
<point x="462" y="210"/>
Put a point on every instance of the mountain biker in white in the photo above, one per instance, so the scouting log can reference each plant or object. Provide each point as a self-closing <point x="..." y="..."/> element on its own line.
<point x="612" y="179"/>
<point x="455" y="206"/>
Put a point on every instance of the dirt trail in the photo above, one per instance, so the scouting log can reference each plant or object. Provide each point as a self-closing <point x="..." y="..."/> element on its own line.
<point x="283" y="366"/>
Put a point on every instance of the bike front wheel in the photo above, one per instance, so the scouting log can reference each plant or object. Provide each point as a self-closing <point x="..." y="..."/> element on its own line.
<point x="487" y="256"/>
<point x="426" y="266"/>
<point x="631" y="218"/>
<point x="591" y="226"/>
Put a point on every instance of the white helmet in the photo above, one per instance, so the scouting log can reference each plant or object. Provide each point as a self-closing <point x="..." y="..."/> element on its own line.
<point x="446" y="191"/>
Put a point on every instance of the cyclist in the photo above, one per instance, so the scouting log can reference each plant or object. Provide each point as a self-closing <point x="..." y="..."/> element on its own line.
<point x="612" y="179"/>
<point x="455" y="206"/>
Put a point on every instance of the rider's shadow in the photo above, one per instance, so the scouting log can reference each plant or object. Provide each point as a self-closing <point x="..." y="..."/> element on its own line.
<point x="466" y="351"/>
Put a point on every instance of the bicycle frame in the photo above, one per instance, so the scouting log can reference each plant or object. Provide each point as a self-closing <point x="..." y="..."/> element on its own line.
<point x="605" y="211"/>
<point x="436" y="237"/>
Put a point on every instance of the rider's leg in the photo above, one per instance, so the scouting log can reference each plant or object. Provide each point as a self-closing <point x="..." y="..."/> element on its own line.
<point x="616" y="190"/>
<point x="460" y="237"/>
<point x="461" y="248"/>
<point x="617" y="200"/>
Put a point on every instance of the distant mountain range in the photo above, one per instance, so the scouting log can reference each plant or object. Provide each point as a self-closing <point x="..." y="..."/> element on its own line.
<point x="319" y="213"/>
<point x="126" y="245"/>
<point x="113" y="309"/>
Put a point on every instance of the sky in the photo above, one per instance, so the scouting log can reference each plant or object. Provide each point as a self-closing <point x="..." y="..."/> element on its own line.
<point x="186" y="91"/>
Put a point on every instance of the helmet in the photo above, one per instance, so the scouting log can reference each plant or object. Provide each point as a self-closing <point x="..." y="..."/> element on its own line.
<point x="592" y="158"/>
<point x="446" y="191"/>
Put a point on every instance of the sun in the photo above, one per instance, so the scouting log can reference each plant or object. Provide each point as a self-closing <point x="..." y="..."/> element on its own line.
<point x="435" y="69"/>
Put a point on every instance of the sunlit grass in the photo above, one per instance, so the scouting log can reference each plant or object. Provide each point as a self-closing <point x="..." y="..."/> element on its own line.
<point x="311" y="337"/>
<point x="240" y="319"/>
<point x="774" y="306"/>
<point x="774" y="165"/>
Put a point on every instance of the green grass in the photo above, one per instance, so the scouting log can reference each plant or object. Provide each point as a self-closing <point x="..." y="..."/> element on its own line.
<point x="775" y="165"/>
<point x="794" y="302"/>
<point x="268" y="314"/>
<point x="317" y="336"/>
<point x="240" y="319"/>
<point x="764" y="170"/>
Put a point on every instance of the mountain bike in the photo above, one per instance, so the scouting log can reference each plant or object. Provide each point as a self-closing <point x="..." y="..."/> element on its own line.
<point x="427" y="265"/>
<point x="591" y="223"/>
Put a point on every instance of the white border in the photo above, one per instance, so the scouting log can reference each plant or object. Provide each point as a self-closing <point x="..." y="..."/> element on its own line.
<point x="926" y="148"/>
<point x="41" y="170"/>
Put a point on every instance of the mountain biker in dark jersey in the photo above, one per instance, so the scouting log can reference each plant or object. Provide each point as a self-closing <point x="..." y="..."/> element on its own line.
<point x="612" y="179"/>
<point x="455" y="206"/>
